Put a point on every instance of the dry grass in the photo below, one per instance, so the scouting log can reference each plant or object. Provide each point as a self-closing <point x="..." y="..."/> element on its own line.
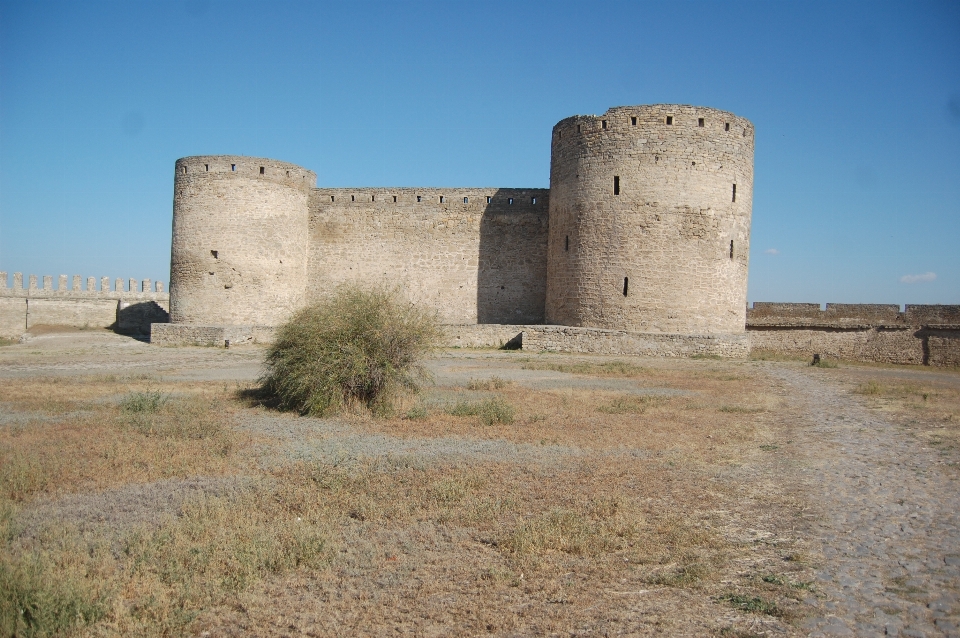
<point x="653" y="503"/>
<point x="83" y="440"/>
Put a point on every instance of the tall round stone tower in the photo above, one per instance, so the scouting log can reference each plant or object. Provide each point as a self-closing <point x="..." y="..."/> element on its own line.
<point x="650" y="220"/>
<point x="240" y="234"/>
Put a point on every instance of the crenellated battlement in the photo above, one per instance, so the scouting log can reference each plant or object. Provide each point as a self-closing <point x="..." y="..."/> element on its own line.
<point x="505" y="200"/>
<point x="227" y="167"/>
<point x="661" y="119"/>
<point x="40" y="288"/>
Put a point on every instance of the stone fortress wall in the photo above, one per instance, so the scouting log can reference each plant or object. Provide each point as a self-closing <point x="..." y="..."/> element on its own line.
<point x="640" y="246"/>
<point x="642" y="196"/>
<point x="477" y="255"/>
<point x="882" y="333"/>
<point x="131" y="311"/>
<point x="650" y="220"/>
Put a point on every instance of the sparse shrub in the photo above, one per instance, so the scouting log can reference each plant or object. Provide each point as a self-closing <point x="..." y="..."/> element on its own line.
<point x="490" y="411"/>
<point x="493" y="383"/>
<point x="358" y="346"/>
<point x="739" y="409"/>
<point x="417" y="412"/>
<point x="38" y="599"/>
<point x="143" y="402"/>
<point x="681" y="576"/>
<point x="823" y="362"/>
<point x="607" y="368"/>
<point x="629" y="404"/>
<point x="151" y="414"/>
<point x="752" y="604"/>
<point x="23" y="473"/>
<point x="870" y="388"/>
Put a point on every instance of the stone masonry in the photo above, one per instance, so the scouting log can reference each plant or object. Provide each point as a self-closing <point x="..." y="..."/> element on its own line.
<point x="645" y="196"/>
<point x="639" y="246"/>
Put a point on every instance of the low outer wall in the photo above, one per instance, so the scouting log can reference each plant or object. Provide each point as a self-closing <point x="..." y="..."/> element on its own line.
<point x="130" y="312"/>
<point x="616" y="342"/>
<point x="881" y="333"/>
<point x="181" y="334"/>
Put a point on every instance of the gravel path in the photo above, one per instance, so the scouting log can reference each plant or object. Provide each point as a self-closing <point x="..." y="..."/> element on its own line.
<point x="889" y="519"/>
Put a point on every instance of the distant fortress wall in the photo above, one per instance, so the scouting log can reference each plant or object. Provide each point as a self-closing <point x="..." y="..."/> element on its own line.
<point x="130" y="310"/>
<point x="920" y="334"/>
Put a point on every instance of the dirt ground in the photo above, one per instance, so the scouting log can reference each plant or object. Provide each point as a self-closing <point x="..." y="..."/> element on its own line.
<point x="518" y="494"/>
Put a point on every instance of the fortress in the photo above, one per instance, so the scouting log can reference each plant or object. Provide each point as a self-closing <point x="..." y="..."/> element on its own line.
<point x="644" y="231"/>
<point x="640" y="246"/>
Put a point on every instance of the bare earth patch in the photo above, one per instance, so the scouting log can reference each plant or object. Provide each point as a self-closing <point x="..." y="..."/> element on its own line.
<point x="520" y="494"/>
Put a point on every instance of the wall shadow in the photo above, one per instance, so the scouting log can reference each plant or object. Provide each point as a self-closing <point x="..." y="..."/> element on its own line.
<point x="512" y="267"/>
<point x="135" y="318"/>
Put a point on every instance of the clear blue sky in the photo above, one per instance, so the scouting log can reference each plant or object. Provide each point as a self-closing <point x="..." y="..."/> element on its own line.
<point x="856" y="107"/>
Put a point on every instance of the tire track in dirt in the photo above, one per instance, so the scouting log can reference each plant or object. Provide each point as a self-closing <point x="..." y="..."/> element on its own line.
<point x="889" y="518"/>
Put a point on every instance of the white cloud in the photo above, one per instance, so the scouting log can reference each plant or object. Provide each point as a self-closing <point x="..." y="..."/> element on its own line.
<point x="912" y="279"/>
<point x="771" y="251"/>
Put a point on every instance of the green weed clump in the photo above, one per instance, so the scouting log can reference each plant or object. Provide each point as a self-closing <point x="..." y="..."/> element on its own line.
<point x="143" y="402"/>
<point x="490" y="411"/>
<point x="869" y="388"/>
<point x="824" y="363"/>
<point x="493" y="383"/>
<point x="753" y="604"/>
<point x="359" y="346"/>
<point x="630" y="404"/>
<point x="38" y="600"/>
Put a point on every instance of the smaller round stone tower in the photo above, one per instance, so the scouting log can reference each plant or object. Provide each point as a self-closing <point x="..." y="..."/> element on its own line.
<point x="240" y="233"/>
<point x="650" y="220"/>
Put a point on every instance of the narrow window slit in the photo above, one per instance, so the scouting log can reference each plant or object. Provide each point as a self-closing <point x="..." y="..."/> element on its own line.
<point x="184" y="170"/>
<point x="333" y="198"/>
<point x="233" y="167"/>
<point x="206" y="167"/>
<point x="261" y="170"/>
<point x="394" y="198"/>
<point x="510" y="201"/>
<point x="466" y="200"/>
<point x="726" y="126"/>
<point x="669" y="120"/>
<point x="633" y="120"/>
<point x="418" y="198"/>
<point x="489" y="199"/>
<point x="533" y="200"/>
<point x="578" y="128"/>
<point x="441" y="199"/>
<point x="604" y="124"/>
<point x="700" y="122"/>
<point x="731" y="249"/>
<point x="353" y="198"/>
<point x="734" y="193"/>
<point x="626" y="285"/>
<point x="566" y="242"/>
<point x="616" y="184"/>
